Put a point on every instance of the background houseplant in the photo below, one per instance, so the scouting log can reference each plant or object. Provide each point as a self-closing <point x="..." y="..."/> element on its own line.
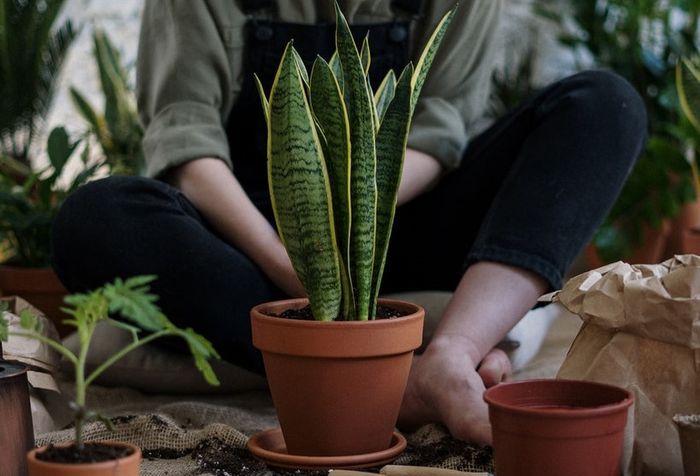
<point x="330" y="132"/>
<point x="117" y="130"/>
<point x="131" y="300"/>
<point x="642" y="41"/>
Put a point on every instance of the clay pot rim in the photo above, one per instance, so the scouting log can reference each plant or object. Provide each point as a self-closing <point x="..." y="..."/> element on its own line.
<point x="568" y="412"/>
<point x="414" y="313"/>
<point x="136" y="455"/>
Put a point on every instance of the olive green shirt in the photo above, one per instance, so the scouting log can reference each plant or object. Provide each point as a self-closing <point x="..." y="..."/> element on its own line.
<point x="189" y="72"/>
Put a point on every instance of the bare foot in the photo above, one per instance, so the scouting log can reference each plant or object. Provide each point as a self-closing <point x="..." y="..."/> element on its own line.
<point x="444" y="386"/>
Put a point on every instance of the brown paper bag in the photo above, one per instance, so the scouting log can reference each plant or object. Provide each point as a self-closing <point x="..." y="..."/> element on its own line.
<point x="641" y="331"/>
<point x="42" y="361"/>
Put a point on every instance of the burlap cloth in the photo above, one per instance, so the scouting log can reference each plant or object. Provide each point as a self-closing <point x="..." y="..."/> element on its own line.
<point x="197" y="435"/>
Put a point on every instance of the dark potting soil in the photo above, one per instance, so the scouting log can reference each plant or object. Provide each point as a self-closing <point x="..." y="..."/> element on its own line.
<point x="91" y="453"/>
<point x="304" y="313"/>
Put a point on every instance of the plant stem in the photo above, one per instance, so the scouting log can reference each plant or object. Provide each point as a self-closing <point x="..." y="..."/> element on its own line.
<point x="118" y="355"/>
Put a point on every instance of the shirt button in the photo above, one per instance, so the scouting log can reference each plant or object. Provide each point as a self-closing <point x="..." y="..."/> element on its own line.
<point x="397" y="34"/>
<point x="263" y="33"/>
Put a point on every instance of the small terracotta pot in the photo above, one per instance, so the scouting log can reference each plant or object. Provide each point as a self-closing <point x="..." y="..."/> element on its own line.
<point x="689" y="433"/>
<point x="126" y="466"/>
<point x="557" y="427"/>
<point x="16" y="432"/>
<point x="337" y="386"/>
<point x="38" y="286"/>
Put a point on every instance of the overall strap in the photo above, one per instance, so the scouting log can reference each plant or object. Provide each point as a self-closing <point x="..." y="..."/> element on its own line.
<point x="413" y="7"/>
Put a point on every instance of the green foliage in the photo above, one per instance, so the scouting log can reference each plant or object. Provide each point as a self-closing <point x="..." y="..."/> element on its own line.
<point x="335" y="154"/>
<point x="129" y="299"/>
<point x="29" y="200"/>
<point x="117" y="130"/>
<point x="643" y="41"/>
<point x="32" y="51"/>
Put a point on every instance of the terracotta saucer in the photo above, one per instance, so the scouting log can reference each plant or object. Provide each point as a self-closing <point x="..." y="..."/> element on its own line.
<point x="268" y="446"/>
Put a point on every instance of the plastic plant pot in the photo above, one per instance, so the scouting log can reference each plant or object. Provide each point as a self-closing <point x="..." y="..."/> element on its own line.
<point x="557" y="427"/>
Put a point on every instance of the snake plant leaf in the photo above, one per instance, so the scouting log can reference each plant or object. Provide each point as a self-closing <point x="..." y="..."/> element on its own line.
<point x="384" y="94"/>
<point x="263" y="100"/>
<point x="335" y="65"/>
<point x="365" y="55"/>
<point x="428" y="55"/>
<point x="302" y="67"/>
<point x="363" y="166"/>
<point x="391" y="148"/>
<point x="688" y="86"/>
<point x="329" y="108"/>
<point x="300" y="190"/>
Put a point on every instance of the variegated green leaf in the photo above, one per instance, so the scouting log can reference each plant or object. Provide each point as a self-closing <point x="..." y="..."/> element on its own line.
<point x="300" y="190"/>
<point x="302" y="67"/>
<point x="428" y="55"/>
<point x="391" y="147"/>
<point x="263" y="100"/>
<point x="384" y="94"/>
<point x="365" y="55"/>
<point x="334" y="63"/>
<point x="329" y="108"/>
<point x="363" y="166"/>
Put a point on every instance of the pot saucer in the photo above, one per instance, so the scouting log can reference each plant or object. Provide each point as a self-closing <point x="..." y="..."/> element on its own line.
<point x="268" y="446"/>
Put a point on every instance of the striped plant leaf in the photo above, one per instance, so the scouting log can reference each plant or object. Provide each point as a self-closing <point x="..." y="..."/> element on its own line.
<point x="263" y="100"/>
<point x="365" y="55"/>
<point x="299" y="181"/>
<point x="428" y="55"/>
<point x="384" y="94"/>
<point x="335" y="65"/>
<point x="359" y="104"/>
<point x="391" y="148"/>
<point x="329" y="108"/>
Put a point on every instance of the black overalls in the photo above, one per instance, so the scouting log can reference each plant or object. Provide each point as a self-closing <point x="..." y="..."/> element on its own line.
<point x="529" y="193"/>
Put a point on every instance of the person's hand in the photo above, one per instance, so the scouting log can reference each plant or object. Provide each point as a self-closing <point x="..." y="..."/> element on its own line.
<point x="445" y="386"/>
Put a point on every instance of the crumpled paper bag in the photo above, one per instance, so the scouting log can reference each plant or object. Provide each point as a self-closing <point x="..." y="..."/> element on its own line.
<point x="641" y="331"/>
<point x="42" y="360"/>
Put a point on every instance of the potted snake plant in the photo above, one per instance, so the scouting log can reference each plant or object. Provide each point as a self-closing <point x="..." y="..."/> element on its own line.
<point x="131" y="299"/>
<point x="337" y="363"/>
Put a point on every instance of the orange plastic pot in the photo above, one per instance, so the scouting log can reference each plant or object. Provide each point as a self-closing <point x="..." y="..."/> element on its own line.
<point x="557" y="427"/>
<point x="337" y="386"/>
<point x="126" y="466"/>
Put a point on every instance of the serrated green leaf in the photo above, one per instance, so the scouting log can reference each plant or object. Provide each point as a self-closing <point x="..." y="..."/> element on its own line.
<point x="59" y="149"/>
<point x="4" y="327"/>
<point x="360" y="107"/>
<point x="299" y="180"/>
<point x="391" y="148"/>
<point x="27" y="320"/>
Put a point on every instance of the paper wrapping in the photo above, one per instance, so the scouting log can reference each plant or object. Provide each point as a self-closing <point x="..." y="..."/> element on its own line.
<point x="42" y="361"/>
<point x="641" y="331"/>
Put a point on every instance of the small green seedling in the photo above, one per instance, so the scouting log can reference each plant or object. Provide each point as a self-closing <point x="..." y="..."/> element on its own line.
<point x="131" y="300"/>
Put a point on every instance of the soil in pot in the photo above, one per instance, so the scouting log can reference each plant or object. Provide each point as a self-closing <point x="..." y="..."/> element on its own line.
<point x="304" y="313"/>
<point x="102" y="458"/>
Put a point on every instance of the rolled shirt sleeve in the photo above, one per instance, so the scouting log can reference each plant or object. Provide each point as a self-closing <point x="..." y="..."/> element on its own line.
<point x="184" y="82"/>
<point x="456" y="91"/>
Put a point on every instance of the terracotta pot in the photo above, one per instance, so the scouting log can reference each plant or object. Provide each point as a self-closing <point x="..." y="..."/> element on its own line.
<point x="38" y="286"/>
<point x="16" y="432"/>
<point x="557" y="427"/>
<point x="126" y="466"/>
<point x="652" y="250"/>
<point x="689" y="434"/>
<point x="337" y="386"/>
